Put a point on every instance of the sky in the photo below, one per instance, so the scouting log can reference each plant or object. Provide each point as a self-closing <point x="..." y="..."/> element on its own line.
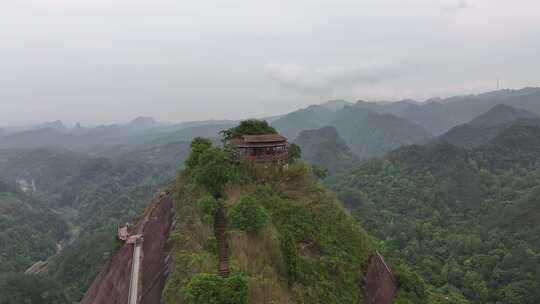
<point x="103" y="61"/>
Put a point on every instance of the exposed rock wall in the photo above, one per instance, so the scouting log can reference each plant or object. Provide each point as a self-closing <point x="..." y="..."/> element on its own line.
<point x="380" y="286"/>
<point x="155" y="260"/>
<point x="111" y="286"/>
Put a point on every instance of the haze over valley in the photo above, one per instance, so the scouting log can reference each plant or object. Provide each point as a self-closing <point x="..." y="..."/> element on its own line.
<point x="291" y="152"/>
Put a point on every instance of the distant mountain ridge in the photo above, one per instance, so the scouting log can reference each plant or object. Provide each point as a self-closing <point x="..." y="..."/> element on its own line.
<point x="440" y="115"/>
<point x="366" y="132"/>
<point x="488" y="125"/>
<point x="324" y="148"/>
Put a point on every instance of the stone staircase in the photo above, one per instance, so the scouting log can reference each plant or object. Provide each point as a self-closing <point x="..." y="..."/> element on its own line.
<point x="220" y="226"/>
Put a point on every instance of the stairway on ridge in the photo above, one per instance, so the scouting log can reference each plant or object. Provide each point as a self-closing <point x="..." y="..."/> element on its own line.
<point x="220" y="225"/>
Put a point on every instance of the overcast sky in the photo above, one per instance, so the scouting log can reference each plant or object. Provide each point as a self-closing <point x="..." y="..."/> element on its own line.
<point x="102" y="61"/>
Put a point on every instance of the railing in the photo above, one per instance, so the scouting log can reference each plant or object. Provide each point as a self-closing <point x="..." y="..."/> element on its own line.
<point x="266" y="157"/>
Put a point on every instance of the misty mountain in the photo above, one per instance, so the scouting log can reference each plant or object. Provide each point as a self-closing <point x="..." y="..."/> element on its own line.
<point x="100" y="190"/>
<point x="336" y="105"/>
<point x="500" y="115"/>
<point x="366" y="132"/>
<point x="488" y="125"/>
<point x="440" y="115"/>
<point x="171" y="154"/>
<point x="325" y="149"/>
<point x="310" y="118"/>
<point x="369" y="134"/>
<point x="142" y="122"/>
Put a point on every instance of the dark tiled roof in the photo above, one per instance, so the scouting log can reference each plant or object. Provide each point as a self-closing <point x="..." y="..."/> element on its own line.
<point x="265" y="138"/>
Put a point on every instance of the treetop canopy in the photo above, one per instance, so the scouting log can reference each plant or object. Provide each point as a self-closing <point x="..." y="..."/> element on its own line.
<point x="248" y="127"/>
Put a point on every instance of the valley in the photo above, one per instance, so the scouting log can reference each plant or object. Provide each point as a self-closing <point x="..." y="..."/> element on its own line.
<point x="450" y="202"/>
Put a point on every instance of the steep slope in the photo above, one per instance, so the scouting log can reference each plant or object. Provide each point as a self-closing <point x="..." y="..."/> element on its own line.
<point x="286" y="239"/>
<point x="306" y="231"/>
<point x="369" y="134"/>
<point x="325" y="149"/>
<point x="112" y="284"/>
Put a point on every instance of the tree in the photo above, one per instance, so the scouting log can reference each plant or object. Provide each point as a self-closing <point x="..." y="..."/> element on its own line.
<point x="205" y="288"/>
<point x="248" y="127"/>
<point x="319" y="172"/>
<point x="208" y="205"/>
<point x="290" y="255"/>
<point x="235" y="289"/>
<point x="212" y="171"/>
<point x="38" y="289"/>
<point x="247" y="215"/>
<point x="198" y="146"/>
<point x="294" y="152"/>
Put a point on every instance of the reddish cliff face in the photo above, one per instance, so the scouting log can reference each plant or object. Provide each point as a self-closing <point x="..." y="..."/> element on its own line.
<point x="155" y="259"/>
<point x="380" y="285"/>
<point x="111" y="286"/>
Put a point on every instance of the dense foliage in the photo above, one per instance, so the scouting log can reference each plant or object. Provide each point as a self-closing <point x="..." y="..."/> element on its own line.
<point x="295" y="152"/>
<point x="462" y="219"/>
<point x="29" y="231"/>
<point x="248" y="127"/>
<point x="207" y="288"/>
<point x="248" y="215"/>
<point x="76" y="204"/>
<point x="33" y="289"/>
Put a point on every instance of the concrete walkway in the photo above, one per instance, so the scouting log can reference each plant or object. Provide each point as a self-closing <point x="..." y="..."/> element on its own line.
<point x="134" y="278"/>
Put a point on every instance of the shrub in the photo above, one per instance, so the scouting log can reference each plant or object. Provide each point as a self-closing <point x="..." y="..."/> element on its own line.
<point x="198" y="146"/>
<point x="294" y="152"/>
<point x="248" y="215"/>
<point x="205" y="288"/>
<point x="212" y="171"/>
<point x="208" y="288"/>
<point x="248" y="127"/>
<point x="235" y="289"/>
<point x="290" y="255"/>
<point x="209" y="205"/>
<point x="319" y="172"/>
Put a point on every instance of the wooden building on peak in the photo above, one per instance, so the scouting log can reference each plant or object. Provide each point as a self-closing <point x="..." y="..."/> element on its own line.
<point x="265" y="148"/>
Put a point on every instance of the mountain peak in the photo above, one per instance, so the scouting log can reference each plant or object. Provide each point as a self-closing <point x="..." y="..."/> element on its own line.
<point x="501" y="114"/>
<point x="142" y="122"/>
<point x="336" y="105"/>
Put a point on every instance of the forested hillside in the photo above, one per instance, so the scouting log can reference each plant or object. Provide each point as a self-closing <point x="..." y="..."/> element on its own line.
<point x="486" y="126"/>
<point x="29" y="231"/>
<point x="461" y="218"/>
<point x="82" y="198"/>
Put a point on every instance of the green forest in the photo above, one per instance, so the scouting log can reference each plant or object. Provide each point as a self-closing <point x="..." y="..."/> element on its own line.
<point x="465" y="220"/>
